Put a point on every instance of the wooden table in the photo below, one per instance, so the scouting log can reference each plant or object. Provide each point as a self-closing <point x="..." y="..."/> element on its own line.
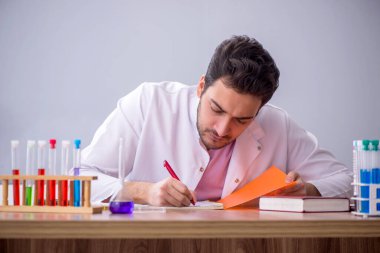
<point x="243" y="230"/>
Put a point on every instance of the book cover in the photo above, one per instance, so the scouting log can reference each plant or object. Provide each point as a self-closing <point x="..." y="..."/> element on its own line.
<point x="304" y="204"/>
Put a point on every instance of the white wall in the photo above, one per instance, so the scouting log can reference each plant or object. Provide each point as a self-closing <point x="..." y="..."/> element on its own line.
<point x="64" y="64"/>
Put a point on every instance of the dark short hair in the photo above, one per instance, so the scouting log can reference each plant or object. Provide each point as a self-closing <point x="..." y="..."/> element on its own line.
<point x="244" y="65"/>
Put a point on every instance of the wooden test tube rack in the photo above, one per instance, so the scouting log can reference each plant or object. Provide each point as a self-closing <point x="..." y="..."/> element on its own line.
<point x="85" y="196"/>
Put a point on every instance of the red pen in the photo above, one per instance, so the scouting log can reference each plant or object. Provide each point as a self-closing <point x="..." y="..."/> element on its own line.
<point x="172" y="173"/>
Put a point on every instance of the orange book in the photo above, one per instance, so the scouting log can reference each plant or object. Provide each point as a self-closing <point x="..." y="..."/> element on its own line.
<point x="269" y="181"/>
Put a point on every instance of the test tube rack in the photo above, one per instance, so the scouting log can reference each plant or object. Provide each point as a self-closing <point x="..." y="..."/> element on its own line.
<point x="369" y="205"/>
<point x="85" y="207"/>
<point x="366" y="168"/>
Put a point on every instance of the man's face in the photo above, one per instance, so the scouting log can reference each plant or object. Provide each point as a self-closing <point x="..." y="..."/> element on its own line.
<point x="223" y="114"/>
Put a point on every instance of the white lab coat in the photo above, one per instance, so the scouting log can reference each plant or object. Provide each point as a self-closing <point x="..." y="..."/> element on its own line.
<point x="158" y="122"/>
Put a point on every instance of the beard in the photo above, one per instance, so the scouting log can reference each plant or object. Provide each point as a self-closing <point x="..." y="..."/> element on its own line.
<point x="210" y="137"/>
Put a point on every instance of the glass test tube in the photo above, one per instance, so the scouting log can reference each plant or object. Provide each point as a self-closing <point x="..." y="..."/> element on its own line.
<point x="51" y="199"/>
<point x="64" y="172"/>
<point x="41" y="171"/>
<point x="355" y="158"/>
<point x="375" y="168"/>
<point x="76" y="160"/>
<point x="375" y="179"/>
<point x="365" y="175"/>
<point x="15" y="171"/>
<point x="30" y="155"/>
<point x="357" y="165"/>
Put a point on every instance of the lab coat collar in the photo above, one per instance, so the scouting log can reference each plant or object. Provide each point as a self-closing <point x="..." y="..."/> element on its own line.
<point x="247" y="148"/>
<point x="193" y="112"/>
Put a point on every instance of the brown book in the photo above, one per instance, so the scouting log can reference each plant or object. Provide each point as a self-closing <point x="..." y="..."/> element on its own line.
<point x="304" y="204"/>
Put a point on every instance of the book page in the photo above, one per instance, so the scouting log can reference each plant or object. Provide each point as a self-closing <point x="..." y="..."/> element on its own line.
<point x="200" y="205"/>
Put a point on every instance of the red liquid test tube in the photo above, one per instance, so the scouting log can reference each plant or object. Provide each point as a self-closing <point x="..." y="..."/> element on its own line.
<point x="16" y="188"/>
<point x="64" y="184"/>
<point x="41" y="190"/>
<point x="51" y="185"/>
<point x="51" y="170"/>
<point x="15" y="171"/>
<point x="64" y="193"/>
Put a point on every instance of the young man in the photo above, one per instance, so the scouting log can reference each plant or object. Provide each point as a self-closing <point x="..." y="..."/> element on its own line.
<point x="218" y="136"/>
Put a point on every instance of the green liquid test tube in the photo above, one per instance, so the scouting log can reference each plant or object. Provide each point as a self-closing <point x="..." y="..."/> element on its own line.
<point x="28" y="195"/>
<point x="30" y="154"/>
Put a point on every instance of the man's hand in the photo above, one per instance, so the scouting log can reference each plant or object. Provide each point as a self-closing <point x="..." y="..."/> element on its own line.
<point x="300" y="188"/>
<point x="170" y="192"/>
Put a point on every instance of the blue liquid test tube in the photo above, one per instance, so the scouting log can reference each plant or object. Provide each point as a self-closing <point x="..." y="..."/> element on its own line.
<point x="375" y="168"/>
<point x="76" y="158"/>
<point x="355" y="166"/>
<point x="375" y="177"/>
<point x="365" y="175"/>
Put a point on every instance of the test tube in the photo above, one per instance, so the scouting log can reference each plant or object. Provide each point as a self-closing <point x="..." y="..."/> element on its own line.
<point x="355" y="159"/>
<point x="76" y="160"/>
<point x="15" y="171"/>
<point x="64" y="172"/>
<point x="365" y="175"/>
<point x="52" y="172"/>
<point x="41" y="171"/>
<point x="375" y="168"/>
<point x="30" y="155"/>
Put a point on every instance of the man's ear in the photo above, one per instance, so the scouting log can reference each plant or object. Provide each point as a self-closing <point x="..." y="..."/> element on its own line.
<point x="201" y="86"/>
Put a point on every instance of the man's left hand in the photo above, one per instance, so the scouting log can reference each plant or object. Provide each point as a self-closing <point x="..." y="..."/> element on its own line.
<point x="300" y="188"/>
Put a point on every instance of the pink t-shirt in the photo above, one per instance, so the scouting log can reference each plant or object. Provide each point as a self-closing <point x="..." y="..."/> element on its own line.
<point x="210" y="187"/>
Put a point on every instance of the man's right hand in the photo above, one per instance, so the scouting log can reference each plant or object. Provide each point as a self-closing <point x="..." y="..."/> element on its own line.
<point x="170" y="192"/>
<point x="167" y="192"/>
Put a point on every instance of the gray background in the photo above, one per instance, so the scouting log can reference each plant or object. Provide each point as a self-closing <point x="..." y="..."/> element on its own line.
<point x="64" y="64"/>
